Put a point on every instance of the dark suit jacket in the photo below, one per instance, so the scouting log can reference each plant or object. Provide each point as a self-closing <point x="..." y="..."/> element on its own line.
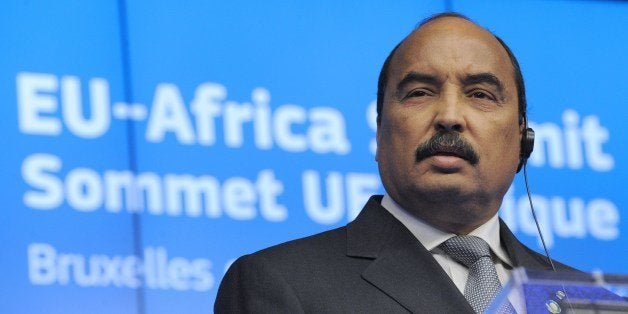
<point x="372" y="265"/>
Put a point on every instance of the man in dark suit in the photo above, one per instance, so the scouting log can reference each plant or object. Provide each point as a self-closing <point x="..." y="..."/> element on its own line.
<point x="451" y="135"/>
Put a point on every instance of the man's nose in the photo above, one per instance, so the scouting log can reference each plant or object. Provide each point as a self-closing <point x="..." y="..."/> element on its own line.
<point x="449" y="115"/>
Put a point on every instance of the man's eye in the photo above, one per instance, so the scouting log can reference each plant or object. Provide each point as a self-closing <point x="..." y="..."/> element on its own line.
<point x="481" y="95"/>
<point x="417" y="93"/>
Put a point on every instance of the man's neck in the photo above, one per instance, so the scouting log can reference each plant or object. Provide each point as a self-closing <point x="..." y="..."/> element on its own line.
<point x="454" y="216"/>
<point x="431" y="236"/>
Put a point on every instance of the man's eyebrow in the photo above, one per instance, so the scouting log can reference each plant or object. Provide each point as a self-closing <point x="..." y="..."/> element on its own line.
<point x="484" y="78"/>
<point x="417" y="77"/>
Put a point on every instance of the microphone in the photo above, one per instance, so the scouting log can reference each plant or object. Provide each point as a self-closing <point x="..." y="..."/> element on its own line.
<point x="561" y="294"/>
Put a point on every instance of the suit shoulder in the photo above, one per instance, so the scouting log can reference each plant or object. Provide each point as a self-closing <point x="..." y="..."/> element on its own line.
<point x="314" y="247"/>
<point x="292" y="272"/>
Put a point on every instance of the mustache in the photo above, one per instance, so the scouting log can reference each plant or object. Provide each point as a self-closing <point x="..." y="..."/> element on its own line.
<point x="450" y="142"/>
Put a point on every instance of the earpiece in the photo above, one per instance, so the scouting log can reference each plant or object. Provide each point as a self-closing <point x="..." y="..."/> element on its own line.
<point x="527" y="145"/>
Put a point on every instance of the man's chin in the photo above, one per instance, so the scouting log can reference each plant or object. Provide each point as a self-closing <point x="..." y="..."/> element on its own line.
<point x="451" y="190"/>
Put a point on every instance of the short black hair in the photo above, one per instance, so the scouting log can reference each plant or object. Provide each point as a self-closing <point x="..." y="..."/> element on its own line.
<point x="518" y="76"/>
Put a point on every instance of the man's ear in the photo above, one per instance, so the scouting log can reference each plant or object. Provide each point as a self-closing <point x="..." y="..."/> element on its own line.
<point x="526" y="145"/>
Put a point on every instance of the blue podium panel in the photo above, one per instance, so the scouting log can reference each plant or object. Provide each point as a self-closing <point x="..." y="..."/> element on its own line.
<point x="258" y="126"/>
<point x="66" y="246"/>
<point x="573" y="58"/>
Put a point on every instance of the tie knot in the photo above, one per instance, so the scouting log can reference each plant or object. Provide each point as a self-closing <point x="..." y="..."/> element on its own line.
<point x="466" y="249"/>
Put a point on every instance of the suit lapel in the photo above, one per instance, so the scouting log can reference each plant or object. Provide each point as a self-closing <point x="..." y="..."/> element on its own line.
<point x="402" y="268"/>
<point x="519" y="254"/>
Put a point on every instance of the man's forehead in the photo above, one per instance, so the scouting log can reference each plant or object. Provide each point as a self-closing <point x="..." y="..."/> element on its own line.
<point x="434" y="39"/>
<point x="440" y="27"/>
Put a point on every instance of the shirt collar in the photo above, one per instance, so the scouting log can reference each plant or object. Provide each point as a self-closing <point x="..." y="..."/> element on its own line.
<point x="431" y="237"/>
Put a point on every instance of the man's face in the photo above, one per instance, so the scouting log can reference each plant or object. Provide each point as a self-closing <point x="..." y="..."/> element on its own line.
<point x="449" y="77"/>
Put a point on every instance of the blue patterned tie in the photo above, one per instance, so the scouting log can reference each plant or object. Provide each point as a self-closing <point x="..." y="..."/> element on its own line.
<point x="482" y="283"/>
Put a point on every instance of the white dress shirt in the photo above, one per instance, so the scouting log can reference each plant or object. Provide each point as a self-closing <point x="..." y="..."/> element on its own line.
<point x="431" y="237"/>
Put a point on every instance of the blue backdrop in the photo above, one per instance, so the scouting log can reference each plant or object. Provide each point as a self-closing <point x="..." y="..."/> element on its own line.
<point x="148" y="144"/>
